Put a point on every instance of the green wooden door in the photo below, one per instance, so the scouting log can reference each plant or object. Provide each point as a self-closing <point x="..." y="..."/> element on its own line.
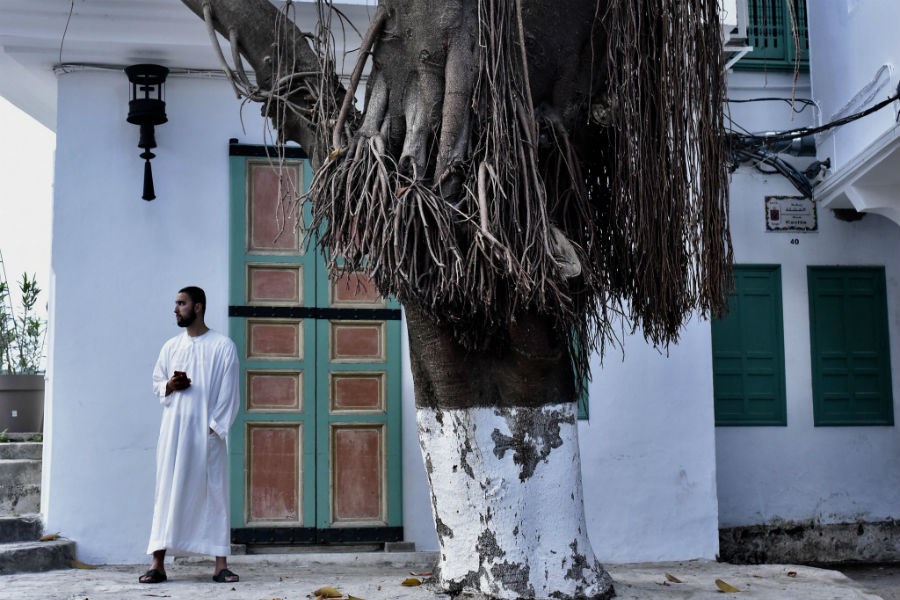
<point x="748" y="351"/>
<point x="315" y="450"/>
<point x="850" y="346"/>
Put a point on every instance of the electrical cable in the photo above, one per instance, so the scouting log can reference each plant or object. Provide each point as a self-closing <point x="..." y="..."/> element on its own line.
<point x="764" y="149"/>
<point x="62" y="40"/>
<point x="806" y="102"/>
<point x="794" y="176"/>
<point x="804" y="131"/>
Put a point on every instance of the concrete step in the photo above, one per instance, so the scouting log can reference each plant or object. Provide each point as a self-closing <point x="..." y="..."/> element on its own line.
<point x="19" y="450"/>
<point x="414" y="561"/>
<point x="27" y="528"/>
<point x="29" y="557"/>
<point x="20" y="487"/>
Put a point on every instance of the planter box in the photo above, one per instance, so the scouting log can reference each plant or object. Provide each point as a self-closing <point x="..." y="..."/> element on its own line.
<point x="22" y="403"/>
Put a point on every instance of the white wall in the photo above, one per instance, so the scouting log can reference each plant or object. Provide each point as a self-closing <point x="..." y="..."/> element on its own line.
<point x="117" y="262"/>
<point x="647" y="454"/>
<point x="802" y="472"/>
<point x="850" y="41"/>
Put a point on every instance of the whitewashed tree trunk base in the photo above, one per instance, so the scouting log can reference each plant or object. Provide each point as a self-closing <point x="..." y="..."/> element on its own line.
<point x="508" y="504"/>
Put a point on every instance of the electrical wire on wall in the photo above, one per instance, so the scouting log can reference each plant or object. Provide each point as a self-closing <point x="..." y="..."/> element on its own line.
<point x="762" y="150"/>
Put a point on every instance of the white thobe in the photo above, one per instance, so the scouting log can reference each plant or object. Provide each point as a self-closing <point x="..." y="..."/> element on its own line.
<point x="191" y="508"/>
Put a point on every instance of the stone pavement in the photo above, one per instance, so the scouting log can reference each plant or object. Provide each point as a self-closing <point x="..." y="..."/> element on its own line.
<point x="882" y="579"/>
<point x="379" y="576"/>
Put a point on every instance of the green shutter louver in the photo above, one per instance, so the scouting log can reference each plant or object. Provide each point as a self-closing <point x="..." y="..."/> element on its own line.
<point x="770" y="33"/>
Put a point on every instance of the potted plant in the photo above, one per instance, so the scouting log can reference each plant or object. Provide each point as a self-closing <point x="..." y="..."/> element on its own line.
<point x="22" y="334"/>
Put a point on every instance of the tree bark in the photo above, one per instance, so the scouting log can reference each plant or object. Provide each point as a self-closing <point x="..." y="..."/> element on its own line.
<point x="499" y="436"/>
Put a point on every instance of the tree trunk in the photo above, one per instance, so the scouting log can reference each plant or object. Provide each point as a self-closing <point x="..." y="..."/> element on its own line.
<point x="499" y="435"/>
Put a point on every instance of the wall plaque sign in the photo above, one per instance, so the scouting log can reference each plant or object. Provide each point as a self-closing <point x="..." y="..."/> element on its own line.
<point x="790" y="213"/>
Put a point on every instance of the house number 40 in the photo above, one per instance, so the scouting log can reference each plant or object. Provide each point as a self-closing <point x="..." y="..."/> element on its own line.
<point x="795" y="242"/>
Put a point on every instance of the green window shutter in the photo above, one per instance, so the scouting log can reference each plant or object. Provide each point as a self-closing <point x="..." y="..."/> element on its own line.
<point x="770" y="33"/>
<point x="748" y="351"/>
<point x="850" y="346"/>
<point x="584" y="404"/>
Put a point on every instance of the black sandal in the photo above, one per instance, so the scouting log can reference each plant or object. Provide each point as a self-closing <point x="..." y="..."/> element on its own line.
<point x="153" y="576"/>
<point x="223" y="576"/>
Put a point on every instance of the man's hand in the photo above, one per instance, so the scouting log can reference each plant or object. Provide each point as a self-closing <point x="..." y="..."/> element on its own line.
<point x="178" y="381"/>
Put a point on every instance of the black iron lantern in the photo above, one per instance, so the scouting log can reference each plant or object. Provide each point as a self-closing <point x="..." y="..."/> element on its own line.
<point x="147" y="108"/>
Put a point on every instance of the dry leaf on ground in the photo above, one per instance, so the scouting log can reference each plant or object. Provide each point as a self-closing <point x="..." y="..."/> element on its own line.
<point x="411" y="581"/>
<point x="726" y="587"/>
<point x="328" y="592"/>
<point x="77" y="564"/>
<point x="49" y="537"/>
<point x="673" y="579"/>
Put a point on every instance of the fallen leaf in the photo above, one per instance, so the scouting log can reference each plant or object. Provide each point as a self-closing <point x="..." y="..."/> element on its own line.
<point x="424" y="574"/>
<point x="49" y="537"/>
<point x="77" y="564"/>
<point x="673" y="579"/>
<point x="349" y="597"/>
<point x="328" y="592"/>
<point x="726" y="587"/>
<point x="411" y="581"/>
<point x="792" y="573"/>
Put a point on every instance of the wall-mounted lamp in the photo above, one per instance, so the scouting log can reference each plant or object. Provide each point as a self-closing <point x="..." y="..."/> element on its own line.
<point x="147" y="108"/>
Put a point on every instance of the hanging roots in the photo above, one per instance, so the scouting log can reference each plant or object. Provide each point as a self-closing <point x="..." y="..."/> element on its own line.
<point x="623" y="213"/>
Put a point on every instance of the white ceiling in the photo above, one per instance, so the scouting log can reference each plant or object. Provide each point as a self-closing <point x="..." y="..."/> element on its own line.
<point x="36" y="36"/>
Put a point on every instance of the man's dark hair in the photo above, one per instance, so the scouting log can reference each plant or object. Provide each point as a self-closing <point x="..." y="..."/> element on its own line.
<point x="197" y="295"/>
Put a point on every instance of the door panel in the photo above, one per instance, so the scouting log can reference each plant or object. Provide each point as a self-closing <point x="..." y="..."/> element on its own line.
<point x="357" y="474"/>
<point x="274" y="473"/>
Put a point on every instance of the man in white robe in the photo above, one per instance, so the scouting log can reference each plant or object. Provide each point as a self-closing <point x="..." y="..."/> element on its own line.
<point x="196" y="380"/>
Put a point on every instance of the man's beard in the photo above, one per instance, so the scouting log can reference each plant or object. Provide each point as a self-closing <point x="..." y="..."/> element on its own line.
<point x="188" y="320"/>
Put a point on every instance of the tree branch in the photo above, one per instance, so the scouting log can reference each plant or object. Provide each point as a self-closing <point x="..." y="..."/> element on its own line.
<point x="364" y="49"/>
<point x="273" y="45"/>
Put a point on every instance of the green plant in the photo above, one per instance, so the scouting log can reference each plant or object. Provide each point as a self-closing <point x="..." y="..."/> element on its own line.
<point x="4" y="437"/>
<point x="22" y="332"/>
